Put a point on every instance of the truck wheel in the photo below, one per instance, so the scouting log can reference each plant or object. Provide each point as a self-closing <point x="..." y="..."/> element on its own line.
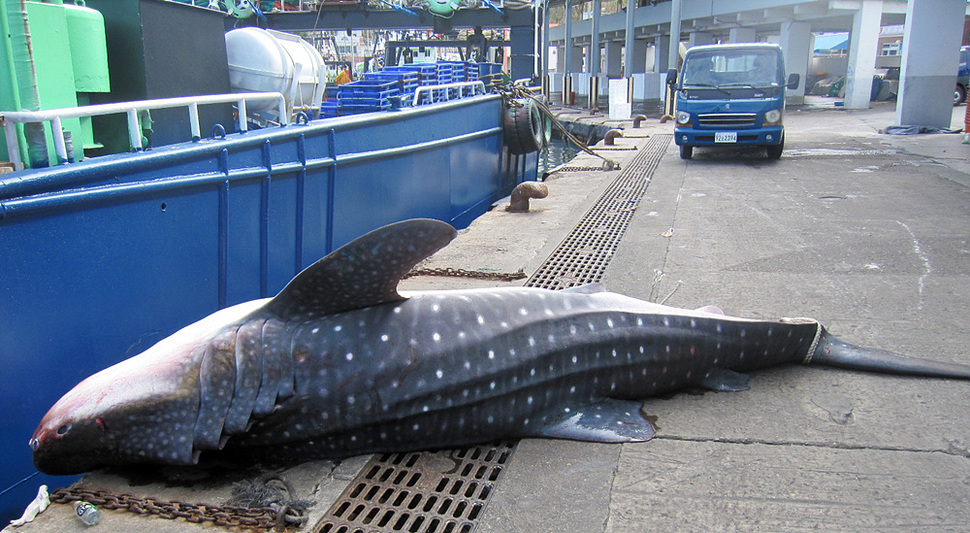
<point x="686" y="151"/>
<point x="775" y="150"/>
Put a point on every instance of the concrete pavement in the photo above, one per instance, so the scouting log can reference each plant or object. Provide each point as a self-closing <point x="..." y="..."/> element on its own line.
<point x="867" y="233"/>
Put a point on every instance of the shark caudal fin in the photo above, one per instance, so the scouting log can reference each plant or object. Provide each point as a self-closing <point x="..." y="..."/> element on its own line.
<point x="834" y="352"/>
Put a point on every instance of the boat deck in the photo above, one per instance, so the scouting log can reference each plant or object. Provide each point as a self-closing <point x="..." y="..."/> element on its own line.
<point x="866" y="232"/>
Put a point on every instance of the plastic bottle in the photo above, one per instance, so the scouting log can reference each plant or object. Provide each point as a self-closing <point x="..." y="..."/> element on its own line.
<point x="87" y="513"/>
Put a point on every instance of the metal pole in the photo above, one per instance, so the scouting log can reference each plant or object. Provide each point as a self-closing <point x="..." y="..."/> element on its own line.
<point x="673" y="55"/>
<point x="631" y="6"/>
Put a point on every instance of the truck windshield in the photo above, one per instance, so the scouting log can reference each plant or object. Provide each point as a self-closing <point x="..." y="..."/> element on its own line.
<point x="733" y="68"/>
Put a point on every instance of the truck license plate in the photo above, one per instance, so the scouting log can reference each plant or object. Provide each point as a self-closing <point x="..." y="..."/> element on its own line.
<point x="725" y="136"/>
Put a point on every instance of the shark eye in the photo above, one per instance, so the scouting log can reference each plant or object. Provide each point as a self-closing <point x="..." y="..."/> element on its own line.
<point x="34" y="444"/>
<point x="61" y="431"/>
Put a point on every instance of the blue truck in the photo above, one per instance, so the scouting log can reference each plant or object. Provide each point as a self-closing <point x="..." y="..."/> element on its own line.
<point x="731" y="95"/>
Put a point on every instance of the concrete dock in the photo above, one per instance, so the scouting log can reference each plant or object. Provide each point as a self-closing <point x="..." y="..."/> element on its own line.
<point x="868" y="233"/>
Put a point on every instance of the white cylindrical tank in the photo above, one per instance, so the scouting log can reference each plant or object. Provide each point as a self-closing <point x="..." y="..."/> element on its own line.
<point x="267" y="60"/>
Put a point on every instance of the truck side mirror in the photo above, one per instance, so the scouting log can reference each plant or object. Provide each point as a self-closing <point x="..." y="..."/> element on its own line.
<point x="793" y="80"/>
<point x="672" y="76"/>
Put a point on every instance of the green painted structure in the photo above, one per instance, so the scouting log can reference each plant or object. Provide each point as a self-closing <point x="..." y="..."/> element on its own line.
<point x="55" y="57"/>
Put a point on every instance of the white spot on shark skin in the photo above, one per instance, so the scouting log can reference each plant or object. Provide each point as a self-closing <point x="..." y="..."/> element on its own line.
<point x="350" y="356"/>
<point x="481" y="319"/>
<point x="436" y="308"/>
<point x="337" y="328"/>
<point x="315" y="331"/>
<point x="523" y="311"/>
<point x="491" y="385"/>
<point x="468" y="365"/>
<point x="440" y="374"/>
<point x="384" y="337"/>
<point x="436" y="336"/>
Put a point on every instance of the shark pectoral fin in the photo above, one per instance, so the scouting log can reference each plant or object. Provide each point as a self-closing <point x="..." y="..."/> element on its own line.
<point x="724" y="380"/>
<point x="606" y="421"/>
<point x="362" y="273"/>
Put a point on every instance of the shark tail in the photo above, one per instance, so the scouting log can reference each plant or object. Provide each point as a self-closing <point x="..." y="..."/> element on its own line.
<point x="831" y="351"/>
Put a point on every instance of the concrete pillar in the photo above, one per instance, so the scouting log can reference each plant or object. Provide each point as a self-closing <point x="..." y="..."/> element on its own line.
<point x="629" y="66"/>
<point x="796" y="41"/>
<point x="577" y="59"/>
<point x="862" y="54"/>
<point x="662" y="57"/>
<point x="568" y="52"/>
<point x="614" y="62"/>
<point x="931" y="48"/>
<point x="673" y="42"/>
<point x="698" y="38"/>
<point x="638" y="57"/>
<point x="742" y="35"/>
<point x="594" y="47"/>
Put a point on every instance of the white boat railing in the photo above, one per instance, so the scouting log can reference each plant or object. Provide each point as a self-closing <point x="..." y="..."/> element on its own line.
<point x="478" y="87"/>
<point x="10" y="119"/>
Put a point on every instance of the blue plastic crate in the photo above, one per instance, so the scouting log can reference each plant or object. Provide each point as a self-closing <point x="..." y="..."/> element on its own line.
<point x="354" y="109"/>
<point x="457" y="70"/>
<point x="407" y="80"/>
<point x="427" y="72"/>
<point x="329" y="108"/>
<point x="368" y="88"/>
<point x="471" y="71"/>
<point x="445" y="73"/>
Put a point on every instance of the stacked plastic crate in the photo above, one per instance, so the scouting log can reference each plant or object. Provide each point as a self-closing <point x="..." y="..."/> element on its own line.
<point x="457" y="75"/>
<point x="366" y="96"/>
<point x="445" y="76"/>
<point x="407" y="81"/>
<point x="427" y="75"/>
<point x="330" y="105"/>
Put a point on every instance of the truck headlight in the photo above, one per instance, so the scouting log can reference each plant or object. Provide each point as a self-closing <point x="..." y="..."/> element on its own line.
<point x="773" y="116"/>
<point x="683" y="117"/>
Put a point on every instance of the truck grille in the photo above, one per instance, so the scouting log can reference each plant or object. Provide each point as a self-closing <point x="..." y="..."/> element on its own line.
<point x="736" y="120"/>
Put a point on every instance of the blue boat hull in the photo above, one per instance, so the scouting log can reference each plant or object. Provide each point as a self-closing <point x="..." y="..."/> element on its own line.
<point x="103" y="258"/>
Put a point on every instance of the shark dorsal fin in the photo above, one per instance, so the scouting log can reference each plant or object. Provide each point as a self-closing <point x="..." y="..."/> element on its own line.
<point x="362" y="273"/>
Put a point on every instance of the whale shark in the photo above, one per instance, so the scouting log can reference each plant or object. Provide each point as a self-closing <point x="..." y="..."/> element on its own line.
<point x="341" y="363"/>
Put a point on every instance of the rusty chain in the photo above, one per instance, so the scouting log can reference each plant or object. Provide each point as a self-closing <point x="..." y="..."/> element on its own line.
<point x="462" y="273"/>
<point x="264" y="518"/>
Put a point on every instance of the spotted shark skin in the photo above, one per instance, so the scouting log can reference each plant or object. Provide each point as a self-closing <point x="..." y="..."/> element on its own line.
<point x="339" y="363"/>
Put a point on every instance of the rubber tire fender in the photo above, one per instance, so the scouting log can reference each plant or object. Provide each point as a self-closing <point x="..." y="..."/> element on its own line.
<point x="523" y="128"/>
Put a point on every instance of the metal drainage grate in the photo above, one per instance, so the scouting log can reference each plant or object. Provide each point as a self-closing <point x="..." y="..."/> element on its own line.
<point x="447" y="491"/>
<point x="419" y="492"/>
<point x="583" y="255"/>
